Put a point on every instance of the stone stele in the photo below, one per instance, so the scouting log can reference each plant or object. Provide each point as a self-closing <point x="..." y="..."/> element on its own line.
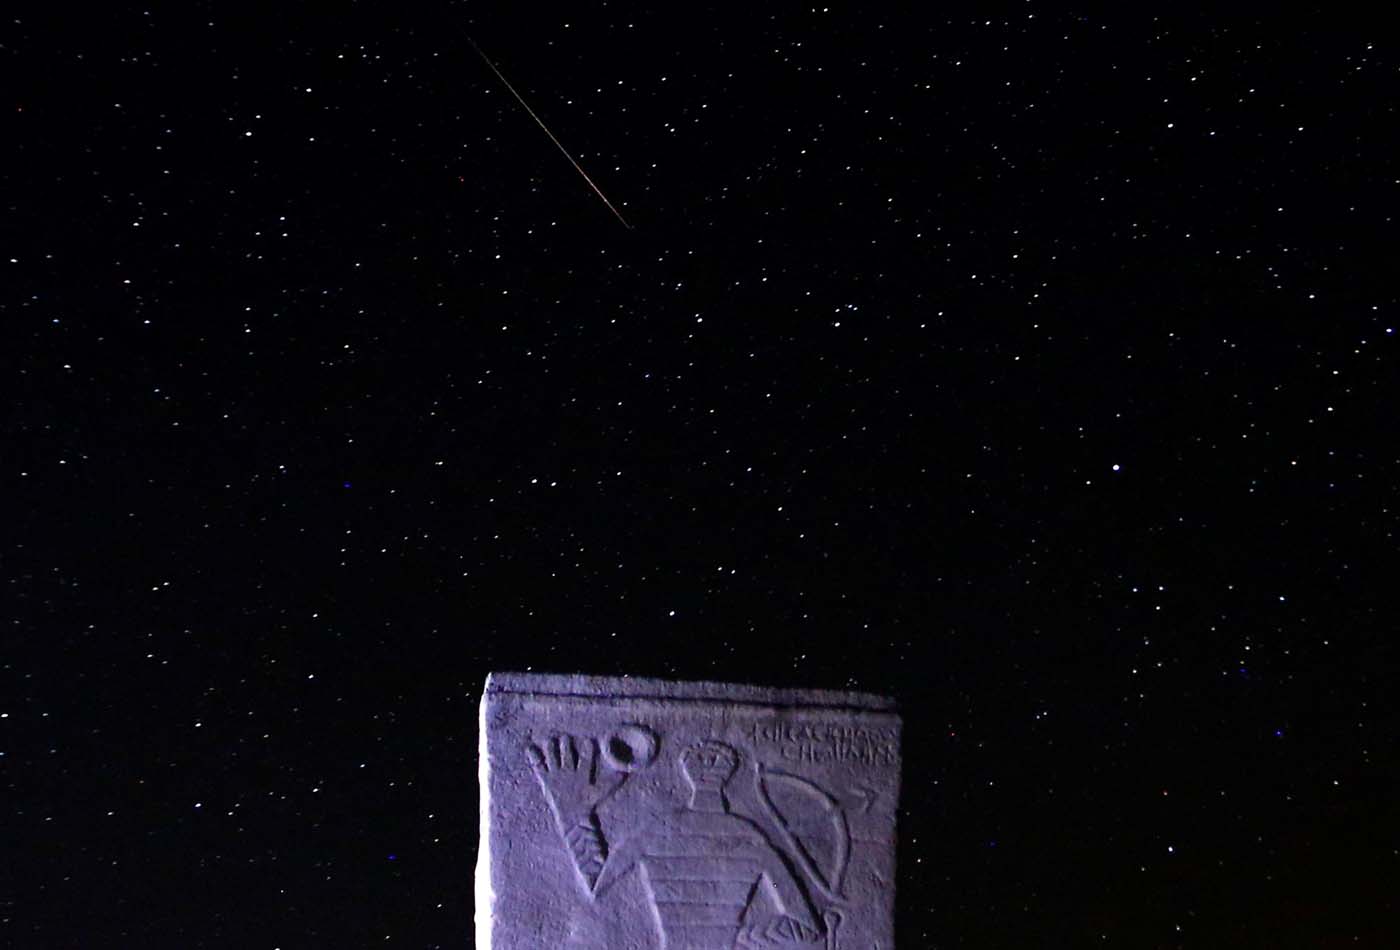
<point x="638" y="814"/>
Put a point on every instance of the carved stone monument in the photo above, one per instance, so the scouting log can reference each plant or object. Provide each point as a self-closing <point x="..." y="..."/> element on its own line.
<point x="635" y="814"/>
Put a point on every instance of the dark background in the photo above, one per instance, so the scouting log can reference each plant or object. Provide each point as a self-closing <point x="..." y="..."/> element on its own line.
<point x="1034" y="368"/>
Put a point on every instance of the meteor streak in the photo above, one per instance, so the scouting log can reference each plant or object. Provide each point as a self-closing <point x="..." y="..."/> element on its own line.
<point x="526" y="106"/>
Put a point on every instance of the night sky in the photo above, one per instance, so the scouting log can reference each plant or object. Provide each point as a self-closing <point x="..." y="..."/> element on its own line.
<point x="1033" y="368"/>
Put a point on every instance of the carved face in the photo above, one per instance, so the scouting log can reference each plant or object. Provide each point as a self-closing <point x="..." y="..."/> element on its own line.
<point x="709" y="764"/>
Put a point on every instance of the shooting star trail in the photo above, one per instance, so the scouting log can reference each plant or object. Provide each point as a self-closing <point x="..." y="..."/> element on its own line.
<point x="526" y="106"/>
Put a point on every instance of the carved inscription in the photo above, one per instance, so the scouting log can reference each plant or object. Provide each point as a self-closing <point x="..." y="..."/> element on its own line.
<point x="828" y="742"/>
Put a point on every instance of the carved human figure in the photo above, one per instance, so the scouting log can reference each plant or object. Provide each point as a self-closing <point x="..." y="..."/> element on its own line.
<point x="714" y="879"/>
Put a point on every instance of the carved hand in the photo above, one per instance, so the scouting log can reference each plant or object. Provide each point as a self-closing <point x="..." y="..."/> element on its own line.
<point x="567" y="769"/>
<point x="570" y="782"/>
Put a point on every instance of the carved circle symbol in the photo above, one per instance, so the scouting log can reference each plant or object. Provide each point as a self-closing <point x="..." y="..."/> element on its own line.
<point x="630" y="747"/>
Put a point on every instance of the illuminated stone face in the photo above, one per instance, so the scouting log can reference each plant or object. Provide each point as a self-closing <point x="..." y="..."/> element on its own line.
<point x="626" y="814"/>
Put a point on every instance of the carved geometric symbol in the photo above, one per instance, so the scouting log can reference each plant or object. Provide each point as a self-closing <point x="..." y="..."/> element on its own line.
<point x="782" y="932"/>
<point x="630" y="747"/>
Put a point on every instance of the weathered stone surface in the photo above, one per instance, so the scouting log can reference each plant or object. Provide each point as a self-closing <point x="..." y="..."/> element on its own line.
<point x="634" y="814"/>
